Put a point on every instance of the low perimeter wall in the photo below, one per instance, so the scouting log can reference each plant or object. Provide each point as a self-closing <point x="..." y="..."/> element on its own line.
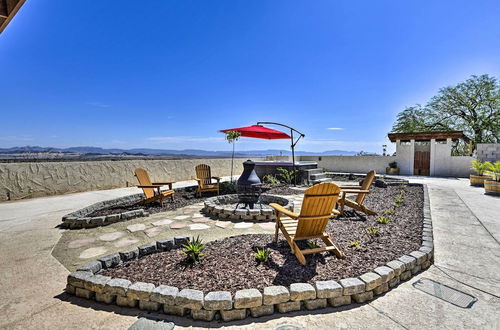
<point x="352" y="164"/>
<point x="27" y="180"/>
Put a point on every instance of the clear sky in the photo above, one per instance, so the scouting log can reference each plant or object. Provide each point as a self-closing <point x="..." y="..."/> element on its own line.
<point x="170" y="74"/>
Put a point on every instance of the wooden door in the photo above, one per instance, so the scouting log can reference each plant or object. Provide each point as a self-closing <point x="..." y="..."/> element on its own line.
<point x="422" y="163"/>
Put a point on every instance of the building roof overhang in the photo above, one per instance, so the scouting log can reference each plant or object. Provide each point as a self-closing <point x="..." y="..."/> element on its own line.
<point x="8" y="8"/>
<point x="426" y="136"/>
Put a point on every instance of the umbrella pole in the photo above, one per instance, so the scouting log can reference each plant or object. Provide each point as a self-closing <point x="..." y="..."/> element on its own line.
<point x="293" y="160"/>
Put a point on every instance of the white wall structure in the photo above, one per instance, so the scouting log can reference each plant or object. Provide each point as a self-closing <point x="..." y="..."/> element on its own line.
<point x="351" y="164"/>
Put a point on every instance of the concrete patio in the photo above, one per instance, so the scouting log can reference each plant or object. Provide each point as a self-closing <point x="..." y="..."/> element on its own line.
<point x="467" y="257"/>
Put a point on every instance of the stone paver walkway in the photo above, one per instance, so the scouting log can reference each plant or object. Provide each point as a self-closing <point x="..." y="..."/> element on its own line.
<point x="467" y="257"/>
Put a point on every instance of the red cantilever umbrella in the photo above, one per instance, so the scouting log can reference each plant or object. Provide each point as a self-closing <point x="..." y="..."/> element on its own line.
<point x="259" y="132"/>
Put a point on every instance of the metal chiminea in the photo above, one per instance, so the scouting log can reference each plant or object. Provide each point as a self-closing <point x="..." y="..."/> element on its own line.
<point x="248" y="185"/>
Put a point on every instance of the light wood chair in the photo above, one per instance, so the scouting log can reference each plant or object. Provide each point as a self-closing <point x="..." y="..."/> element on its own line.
<point x="317" y="208"/>
<point x="361" y="192"/>
<point x="204" y="179"/>
<point x="152" y="191"/>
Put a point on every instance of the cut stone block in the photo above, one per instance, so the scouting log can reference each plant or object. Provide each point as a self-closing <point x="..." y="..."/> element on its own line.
<point x="275" y="295"/>
<point x="96" y="283"/>
<point x="372" y="280"/>
<point x="203" y="315"/>
<point x="126" y="301"/>
<point x="110" y="260"/>
<point x="233" y="314"/>
<point x="397" y="266"/>
<point x="189" y="298"/>
<point x="383" y="287"/>
<point x="409" y="261"/>
<point x="181" y="240"/>
<point x="70" y="289"/>
<point x="420" y="256"/>
<point x="262" y="310"/>
<point x="140" y="291"/>
<point x="84" y="293"/>
<point x="218" y="300"/>
<point x="339" y="301"/>
<point x="302" y="291"/>
<point x="93" y="266"/>
<point x="164" y="294"/>
<point x="247" y="298"/>
<point x="165" y="244"/>
<point x="395" y="281"/>
<point x="405" y="275"/>
<point x="129" y="255"/>
<point x="78" y="278"/>
<point x="174" y="310"/>
<point x="362" y="297"/>
<point x="147" y="249"/>
<point x="352" y="285"/>
<point x="426" y="264"/>
<point x="287" y="307"/>
<point x="149" y="305"/>
<point x="104" y="298"/>
<point x="117" y="286"/>
<point x="386" y="273"/>
<point x="416" y="269"/>
<point x="313" y="304"/>
<point x="328" y="289"/>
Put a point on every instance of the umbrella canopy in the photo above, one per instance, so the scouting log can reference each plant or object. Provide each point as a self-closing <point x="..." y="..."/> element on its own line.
<point x="259" y="132"/>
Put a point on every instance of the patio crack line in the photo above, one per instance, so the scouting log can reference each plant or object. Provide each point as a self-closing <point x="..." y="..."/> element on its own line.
<point x="389" y="317"/>
<point x="468" y="285"/>
<point x="467" y="206"/>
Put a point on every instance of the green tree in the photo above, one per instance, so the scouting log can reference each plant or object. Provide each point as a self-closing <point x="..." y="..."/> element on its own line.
<point x="232" y="137"/>
<point x="472" y="106"/>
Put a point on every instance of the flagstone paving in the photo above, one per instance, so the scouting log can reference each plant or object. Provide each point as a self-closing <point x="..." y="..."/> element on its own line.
<point x="198" y="226"/>
<point x="136" y="227"/>
<point x="125" y="242"/>
<point x="93" y="252"/>
<point x="163" y="222"/>
<point x="152" y="232"/>
<point x="111" y="236"/>
<point x="78" y="243"/>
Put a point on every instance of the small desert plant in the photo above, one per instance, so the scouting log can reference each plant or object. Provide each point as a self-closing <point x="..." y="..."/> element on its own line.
<point x="355" y="244"/>
<point x="495" y="168"/>
<point x="393" y="164"/>
<point x="397" y="204"/>
<point x="400" y="199"/>
<point x="372" y="231"/>
<point x="286" y="176"/>
<point x="227" y="187"/>
<point x="383" y="220"/>
<point x="312" y="245"/>
<point x="479" y="167"/>
<point x="271" y="179"/>
<point x="262" y="255"/>
<point x="193" y="250"/>
<point x="389" y="211"/>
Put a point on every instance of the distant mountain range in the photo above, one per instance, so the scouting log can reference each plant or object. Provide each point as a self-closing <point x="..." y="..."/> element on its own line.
<point x="164" y="152"/>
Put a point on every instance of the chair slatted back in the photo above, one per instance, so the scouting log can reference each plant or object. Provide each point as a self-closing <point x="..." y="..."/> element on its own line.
<point x="319" y="201"/>
<point x="203" y="173"/>
<point x="367" y="182"/>
<point x="143" y="178"/>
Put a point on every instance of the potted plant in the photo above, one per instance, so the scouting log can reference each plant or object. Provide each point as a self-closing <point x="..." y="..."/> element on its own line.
<point x="492" y="187"/>
<point x="480" y="169"/>
<point x="392" y="169"/>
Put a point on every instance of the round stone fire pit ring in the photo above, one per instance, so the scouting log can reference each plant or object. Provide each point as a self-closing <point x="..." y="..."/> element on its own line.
<point x="230" y="207"/>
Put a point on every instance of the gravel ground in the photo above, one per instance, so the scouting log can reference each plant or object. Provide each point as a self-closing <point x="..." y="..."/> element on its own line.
<point x="229" y="263"/>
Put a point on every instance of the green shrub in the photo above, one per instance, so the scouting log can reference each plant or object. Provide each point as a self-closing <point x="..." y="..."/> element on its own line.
<point x="372" y="231"/>
<point x="312" y="245"/>
<point x="271" y="179"/>
<point x="495" y="169"/>
<point x="479" y="167"/>
<point x="393" y="164"/>
<point x="262" y="255"/>
<point x="355" y="244"/>
<point x="193" y="250"/>
<point x="382" y="220"/>
<point x="285" y="176"/>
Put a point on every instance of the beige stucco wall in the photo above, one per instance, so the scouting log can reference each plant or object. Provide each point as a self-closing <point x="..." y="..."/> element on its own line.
<point x="351" y="164"/>
<point x="27" y="180"/>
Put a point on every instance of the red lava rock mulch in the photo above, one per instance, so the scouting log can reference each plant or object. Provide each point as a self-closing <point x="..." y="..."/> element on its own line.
<point x="229" y="263"/>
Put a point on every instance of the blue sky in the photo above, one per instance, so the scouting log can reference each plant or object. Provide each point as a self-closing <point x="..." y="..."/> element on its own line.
<point x="170" y="74"/>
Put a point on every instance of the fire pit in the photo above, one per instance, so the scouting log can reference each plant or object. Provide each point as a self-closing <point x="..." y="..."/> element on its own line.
<point x="248" y="203"/>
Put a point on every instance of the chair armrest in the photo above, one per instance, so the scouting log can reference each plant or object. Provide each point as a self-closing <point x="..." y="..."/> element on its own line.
<point x="162" y="183"/>
<point x="197" y="179"/>
<point x="355" y="191"/>
<point x="336" y="212"/>
<point x="281" y="209"/>
<point x="350" y="187"/>
<point x="149" y="186"/>
<point x="216" y="178"/>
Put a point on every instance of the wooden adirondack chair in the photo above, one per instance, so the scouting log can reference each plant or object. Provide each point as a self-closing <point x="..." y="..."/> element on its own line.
<point x="204" y="178"/>
<point x="361" y="191"/>
<point x="152" y="190"/>
<point x="317" y="208"/>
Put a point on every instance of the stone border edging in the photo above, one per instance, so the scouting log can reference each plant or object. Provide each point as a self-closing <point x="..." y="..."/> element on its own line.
<point x="214" y="206"/>
<point x="79" y="219"/>
<point x="87" y="283"/>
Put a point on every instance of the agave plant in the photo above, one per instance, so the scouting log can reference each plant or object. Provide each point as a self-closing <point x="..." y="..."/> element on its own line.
<point x="193" y="250"/>
<point x="479" y="167"/>
<point x="495" y="168"/>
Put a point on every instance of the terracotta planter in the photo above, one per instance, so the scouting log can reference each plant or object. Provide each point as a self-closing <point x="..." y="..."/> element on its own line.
<point x="492" y="187"/>
<point x="478" y="180"/>
<point x="391" y="170"/>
